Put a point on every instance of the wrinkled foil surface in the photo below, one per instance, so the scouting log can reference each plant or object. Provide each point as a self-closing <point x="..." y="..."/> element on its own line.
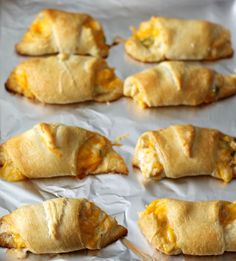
<point x="121" y="196"/>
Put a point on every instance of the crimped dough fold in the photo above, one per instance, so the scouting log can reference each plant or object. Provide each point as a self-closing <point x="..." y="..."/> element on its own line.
<point x="52" y="150"/>
<point x="58" y="226"/>
<point x="178" y="83"/>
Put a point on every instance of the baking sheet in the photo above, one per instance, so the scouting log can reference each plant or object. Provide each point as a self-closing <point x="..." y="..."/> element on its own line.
<point x="122" y="197"/>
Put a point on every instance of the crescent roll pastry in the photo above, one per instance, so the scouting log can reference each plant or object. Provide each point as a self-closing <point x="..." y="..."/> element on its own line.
<point x="51" y="150"/>
<point x="178" y="83"/>
<point x="66" y="79"/>
<point x="194" y="228"/>
<point x="186" y="150"/>
<point x="59" y="225"/>
<point x="163" y="38"/>
<point x="55" y="31"/>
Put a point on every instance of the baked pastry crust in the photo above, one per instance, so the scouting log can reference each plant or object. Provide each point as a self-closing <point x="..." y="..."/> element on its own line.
<point x="67" y="79"/>
<point x="185" y="150"/>
<point x="163" y="38"/>
<point x="56" y="31"/>
<point x="178" y="83"/>
<point x="194" y="228"/>
<point x="52" y="150"/>
<point x="59" y="225"/>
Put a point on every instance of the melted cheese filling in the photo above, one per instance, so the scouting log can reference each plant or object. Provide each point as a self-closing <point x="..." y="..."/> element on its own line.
<point x="147" y="33"/>
<point x="106" y="80"/>
<point x="165" y="233"/>
<point x="21" y="83"/>
<point x="149" y="162"/>
<point x="226" y="159"/>
<point x="91" y="155"/>
<point x="41" y="26"/>
<point x="91" y="221"/>
<point x="8" y="171"/>
<point x="228" y="214"/>
<point x="137" y="94"/>
<point x="9" y="237"/>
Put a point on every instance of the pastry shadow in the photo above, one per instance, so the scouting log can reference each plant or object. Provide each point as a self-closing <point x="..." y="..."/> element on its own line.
<point x="226" y="256"/>
<point x="158" y="256"/>
<point x="64" y="256"/>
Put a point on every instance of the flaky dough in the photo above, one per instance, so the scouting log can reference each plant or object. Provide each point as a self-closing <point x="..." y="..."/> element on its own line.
<point x="185" y="150"/>
<point x="193" y="228"/>
<point x="58" y="226"/>
<point x="178" y="83"/>
<point x="56" y="31"/>
<point x="163" y="38"/>
<point x="65" y="79"/>
<point x="52" y="150"/>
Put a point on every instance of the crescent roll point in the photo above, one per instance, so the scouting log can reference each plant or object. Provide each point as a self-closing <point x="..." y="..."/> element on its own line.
<point x="52" y="150"/>
<point x="175" y="83"/>
<point x="163" y="38"/>
<point x="186" y="150"/>
<point x="194" y="228"/>
<point x="58" y="226"/>
<point x="55" y="31"/>
<point x="68" y="79"/>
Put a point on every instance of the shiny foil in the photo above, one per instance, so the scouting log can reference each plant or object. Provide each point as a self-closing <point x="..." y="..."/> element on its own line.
<point x="121" y="196"/>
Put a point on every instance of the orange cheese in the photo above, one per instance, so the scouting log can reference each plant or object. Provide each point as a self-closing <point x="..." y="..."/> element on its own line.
<point x="9" y="237"/>
<point x="165" y="233"/>
<point x="147" y="32"/>
<point x="91" y="155"/>
<point x="225" y="159"/>
<point x="228" y="213"/>
<point x="106" y="79"/>
<point x="41" y="26"/>
<point x="21" y="83"/>
<point x="89" y="223"/>
<point x="10" y="173"/>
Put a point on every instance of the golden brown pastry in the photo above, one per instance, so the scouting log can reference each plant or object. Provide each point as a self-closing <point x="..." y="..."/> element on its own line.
<point x="55" y="31"/>
<point x="163" y="38"/>
<point x="58" y="226"/>
<point x="52" y="150"/>
<point x="194" y="228"/>
<point x="178" y="83"/>
<point x="186" y="150"/>
<point x="65" y="79"/>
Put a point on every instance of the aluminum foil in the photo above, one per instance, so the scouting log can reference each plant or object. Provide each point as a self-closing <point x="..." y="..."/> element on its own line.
<point x="122" y="197"/>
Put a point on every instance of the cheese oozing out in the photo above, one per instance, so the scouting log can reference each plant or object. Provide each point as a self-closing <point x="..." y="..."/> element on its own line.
<point x="226" y="160"/>
<point x="91" y="155"/>
<point x="147" y="32"/>
<point x="8" y="171"/>
<point x="40" y="29"/>
<point x="228" y="213"/>
<point x="106" y="80"/>
<point x="165" y="237"/>
<point x="20" y="84"/>
<point x="9" y="237"/>
<point x="148" y="160"/>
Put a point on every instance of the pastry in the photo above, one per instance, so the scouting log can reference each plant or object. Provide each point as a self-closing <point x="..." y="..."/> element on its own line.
<point x="163" y="38"/>
<point x="193" y="228"/>
<point x="65" y="79"/>
<point x="186" y="150"/>
<point x="59" y="225"/>
<point x="55" y="31"/>
<point x="178" y="83"/>
<point x="52" y="150"/>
